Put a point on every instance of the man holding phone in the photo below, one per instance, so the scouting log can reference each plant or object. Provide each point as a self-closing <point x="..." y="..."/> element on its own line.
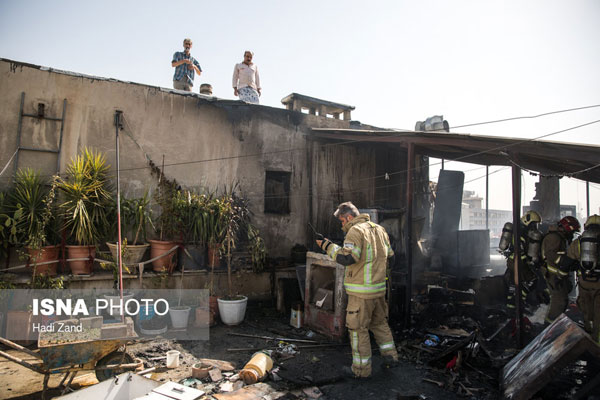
<point x="185" y="67"/>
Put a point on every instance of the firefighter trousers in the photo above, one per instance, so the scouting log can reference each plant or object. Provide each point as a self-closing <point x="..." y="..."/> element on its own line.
<point x="588" y="302"/>
<point x="362" y="316"/>
<point x="559" y="294"/>
<point x="527" y="281"/>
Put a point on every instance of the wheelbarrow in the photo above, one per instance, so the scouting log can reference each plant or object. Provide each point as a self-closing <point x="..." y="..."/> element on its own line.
<point x="107" y="358"/>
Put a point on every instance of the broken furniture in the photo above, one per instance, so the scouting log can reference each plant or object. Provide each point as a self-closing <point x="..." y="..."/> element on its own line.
<point x="324" y="279"/>
<point x="561" y="343"/>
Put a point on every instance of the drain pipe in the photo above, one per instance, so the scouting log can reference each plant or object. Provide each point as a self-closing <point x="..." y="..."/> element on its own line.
<point x="119" y="125"/>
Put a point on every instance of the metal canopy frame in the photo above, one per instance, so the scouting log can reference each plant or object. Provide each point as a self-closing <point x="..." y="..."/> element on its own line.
<point x="542" y="156"/>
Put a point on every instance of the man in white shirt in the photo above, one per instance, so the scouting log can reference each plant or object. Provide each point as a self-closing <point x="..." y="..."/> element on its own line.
<point x="246" y="83"/>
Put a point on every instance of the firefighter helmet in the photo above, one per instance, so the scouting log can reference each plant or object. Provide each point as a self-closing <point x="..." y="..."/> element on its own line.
<point x="531" y="217"/>
<point x="592" y="220"/>
<point x="570" y="224"/>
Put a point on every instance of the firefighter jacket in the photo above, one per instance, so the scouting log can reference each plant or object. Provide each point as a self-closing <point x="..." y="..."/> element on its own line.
<point x="554" y="249"/>
<point x="368" y="245"/>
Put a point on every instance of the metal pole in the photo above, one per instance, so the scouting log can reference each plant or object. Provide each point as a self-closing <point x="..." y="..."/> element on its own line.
<point x="408" y="240"/>
<point x="60" y="136"/>
<point x="516" y="193"/>
<point x="442" y="163"/>
<point x="487" y="197"/>
<point x="118" y="125"/>
<point x="587" y="198"/>
<point x="19" y="127"/>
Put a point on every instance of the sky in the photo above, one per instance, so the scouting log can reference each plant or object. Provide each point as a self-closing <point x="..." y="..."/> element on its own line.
<point x="397" y="62"/>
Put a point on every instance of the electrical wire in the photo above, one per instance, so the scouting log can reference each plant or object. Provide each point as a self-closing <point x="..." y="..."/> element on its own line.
<point x="363" y="139"/>
<point x="517" y="118"/>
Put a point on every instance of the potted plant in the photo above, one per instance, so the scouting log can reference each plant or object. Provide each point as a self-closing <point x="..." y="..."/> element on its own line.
<point x="167" y="225"/>
<point x="192" y="213"/>
<point x="86" y="195"/>
<point x="8" y="225"/>
<point x="33" y="200"/>
<point x="235" y="216"/>
<point x="135" y="217"/>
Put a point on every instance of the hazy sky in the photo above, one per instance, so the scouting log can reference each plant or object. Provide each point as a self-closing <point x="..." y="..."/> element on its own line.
<point x="395" y="61"/>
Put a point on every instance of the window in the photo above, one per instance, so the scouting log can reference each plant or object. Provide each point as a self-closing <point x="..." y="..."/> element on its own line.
<point x="277" y="192"/>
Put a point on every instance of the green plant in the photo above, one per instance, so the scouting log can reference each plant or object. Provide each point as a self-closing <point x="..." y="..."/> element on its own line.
<point x="47" y="282"/>
<point x="256" y="248"/>
<point x="136" y="215"/>
<point x="167" y="223"/>
<point x="87" y="196"/>
<point x="33" y="200"/>
<point x="8" y="224"/>
<point x="113" y="265"/>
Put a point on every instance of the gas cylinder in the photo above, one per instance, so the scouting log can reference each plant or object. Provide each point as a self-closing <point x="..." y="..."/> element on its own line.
<point x="589" y="249"/>
<point x="534" y="245"/>
<point x="506" y="238"/>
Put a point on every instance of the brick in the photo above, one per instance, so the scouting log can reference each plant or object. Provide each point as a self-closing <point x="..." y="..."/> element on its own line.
<point x="91" y="322"/>
<point x="112" y="331"/>
<point x="215" y="374"/>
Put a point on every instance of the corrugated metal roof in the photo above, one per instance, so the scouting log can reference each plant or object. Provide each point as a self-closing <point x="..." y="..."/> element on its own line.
<point x="577" y="160"/>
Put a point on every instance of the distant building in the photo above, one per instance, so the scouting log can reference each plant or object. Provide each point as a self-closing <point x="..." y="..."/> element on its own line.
<point x="473" y="215"/>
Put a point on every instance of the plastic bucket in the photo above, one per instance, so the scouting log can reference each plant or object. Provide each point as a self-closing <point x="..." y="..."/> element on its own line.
<point x="232" y="311"/>
<point x="172" y="359"/>
<point x="179" y="316"/>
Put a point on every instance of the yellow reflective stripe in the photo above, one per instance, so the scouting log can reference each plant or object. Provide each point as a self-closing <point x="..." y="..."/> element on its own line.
<point x="334" y="249"/>
<point x="356" y="251"/>
<point x="378" y="287"/>
<point x="368" y="278"/>
<point x="557" y="260"/>
<point x="386" y="346"/>
<point x="555" y="270"/>
<point x="365" y="360"/>
<point x="354" y="345"/>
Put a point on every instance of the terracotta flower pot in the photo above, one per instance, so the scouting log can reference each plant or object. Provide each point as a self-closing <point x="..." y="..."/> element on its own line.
<point x="203" y="317"/>
<point x="83" y="267"/>
<point x="45" y="254"/>
<point x="166" y="263"/>
<point x="214" y="310"/>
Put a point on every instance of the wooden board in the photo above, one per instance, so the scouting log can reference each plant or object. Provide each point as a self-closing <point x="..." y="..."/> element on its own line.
<point x="561" y="343"/>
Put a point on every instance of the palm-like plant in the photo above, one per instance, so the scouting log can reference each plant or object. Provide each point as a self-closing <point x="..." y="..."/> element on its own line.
<point x="87" y="195"/>
<point x="135" y="217"/>
<point x="34" y="198"/>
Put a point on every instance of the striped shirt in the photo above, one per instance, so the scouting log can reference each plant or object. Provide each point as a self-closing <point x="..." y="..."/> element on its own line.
<point x="182" y="72"/>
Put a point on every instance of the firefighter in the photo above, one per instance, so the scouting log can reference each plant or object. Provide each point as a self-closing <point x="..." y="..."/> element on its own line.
<point x="554" y="246"/>
<point x="365" y="254"/>
<point x="530" y="243"/>
<point x="583" y="257"/>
